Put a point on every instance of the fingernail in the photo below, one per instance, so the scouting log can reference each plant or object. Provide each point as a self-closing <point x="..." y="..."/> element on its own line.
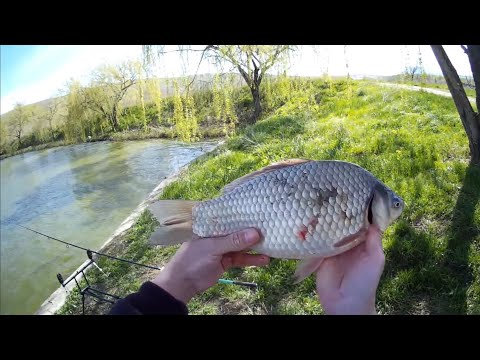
<point x="251" y="236"/>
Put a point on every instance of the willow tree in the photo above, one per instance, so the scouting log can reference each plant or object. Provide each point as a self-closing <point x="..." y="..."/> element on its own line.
<point x="222" y="110"/>
<point x="107" y="89"/>
<point x="153" y="87"/>
<point x="251" y="61"/>
<point x="141" y="92"/>
<point x="3" y="138"/>
<point x="78" y="113"/>
<point x="50" y="114"/>
<point x="217" y="100"/>
<point x="470" y="118"/>
<point x="184" y="116"/>
<point x="20" y="118"/>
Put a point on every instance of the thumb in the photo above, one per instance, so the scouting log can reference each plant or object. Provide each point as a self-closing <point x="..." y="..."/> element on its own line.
<point x="238" y="241"/>
<point x="374" y="240"/>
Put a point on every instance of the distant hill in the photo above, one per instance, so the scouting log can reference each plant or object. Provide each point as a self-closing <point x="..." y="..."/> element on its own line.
<point x="202" y="81"/>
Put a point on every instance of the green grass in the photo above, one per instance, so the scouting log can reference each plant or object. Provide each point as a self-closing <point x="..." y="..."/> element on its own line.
<point x="414" y="142"/>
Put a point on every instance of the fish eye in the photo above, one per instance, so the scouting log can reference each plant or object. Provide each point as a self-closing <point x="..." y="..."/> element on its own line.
<point x="396" y="202"/>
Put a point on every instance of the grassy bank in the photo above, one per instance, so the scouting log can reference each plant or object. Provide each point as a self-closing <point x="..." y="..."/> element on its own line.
<point x="412" y="141"/>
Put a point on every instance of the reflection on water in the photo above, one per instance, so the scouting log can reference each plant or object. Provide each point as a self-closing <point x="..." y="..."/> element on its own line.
<point x="78" y="194"/>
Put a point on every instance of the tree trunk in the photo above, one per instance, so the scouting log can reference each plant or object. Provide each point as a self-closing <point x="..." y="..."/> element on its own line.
<point x="473" y="52"/>
<point x="114" y="119"/>
<point x="257" y="103"/>
<point x="470" y="119"/>
<point x="51" y="129"/>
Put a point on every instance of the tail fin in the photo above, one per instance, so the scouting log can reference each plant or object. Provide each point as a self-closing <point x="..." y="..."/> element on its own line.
<point x="175" y="218"/>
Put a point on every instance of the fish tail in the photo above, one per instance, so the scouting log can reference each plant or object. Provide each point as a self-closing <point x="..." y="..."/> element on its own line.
<point x="175" y="218"/>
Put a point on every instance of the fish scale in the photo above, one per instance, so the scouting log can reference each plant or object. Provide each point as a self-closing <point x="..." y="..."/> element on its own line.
<point x="303" y="209"/>
<point x="297" y="209"/>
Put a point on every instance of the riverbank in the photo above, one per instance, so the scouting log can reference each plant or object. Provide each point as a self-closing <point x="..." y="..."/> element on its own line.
<point x="413" y="141"/>
<point x="205" y="133"/>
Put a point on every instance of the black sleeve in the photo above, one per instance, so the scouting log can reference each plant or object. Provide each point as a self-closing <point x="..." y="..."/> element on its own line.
<point x="149" y="300"/>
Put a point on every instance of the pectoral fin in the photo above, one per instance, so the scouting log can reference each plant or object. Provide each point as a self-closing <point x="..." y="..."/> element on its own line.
<point x="351" y="238"/>
<point x="305" y="268"/>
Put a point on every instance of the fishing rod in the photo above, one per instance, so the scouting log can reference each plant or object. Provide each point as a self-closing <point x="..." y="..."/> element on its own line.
<point x="91" y="252"/>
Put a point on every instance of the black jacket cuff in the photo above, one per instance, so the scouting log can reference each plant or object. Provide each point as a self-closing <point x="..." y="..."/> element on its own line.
<point x="151" y="299"/>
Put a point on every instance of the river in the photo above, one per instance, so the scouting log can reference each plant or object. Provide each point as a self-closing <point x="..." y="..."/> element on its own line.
<point x="79" y="194"/>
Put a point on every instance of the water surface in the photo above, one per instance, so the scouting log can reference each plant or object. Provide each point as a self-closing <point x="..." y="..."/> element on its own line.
<point x="79" y="194"/>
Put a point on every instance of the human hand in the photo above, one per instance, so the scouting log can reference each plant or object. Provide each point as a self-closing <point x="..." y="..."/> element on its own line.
<point x="198" y="264"/>
<point x="347" y="283"/>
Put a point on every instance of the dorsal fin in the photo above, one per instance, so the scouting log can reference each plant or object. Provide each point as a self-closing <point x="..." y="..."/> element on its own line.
<point x="275" y="166"/>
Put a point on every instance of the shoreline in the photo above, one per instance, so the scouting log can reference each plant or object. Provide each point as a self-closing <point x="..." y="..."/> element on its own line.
<point x="57" y="299"/>
<point x="131" y="135"/>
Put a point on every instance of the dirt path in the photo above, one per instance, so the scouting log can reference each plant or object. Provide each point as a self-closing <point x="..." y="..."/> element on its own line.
<point x="426" y="89"/>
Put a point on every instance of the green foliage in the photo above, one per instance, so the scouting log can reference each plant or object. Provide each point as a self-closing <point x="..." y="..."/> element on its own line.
<point x="5" y="147"/>
<point x="217" y="103"/>
<point x="153" y="87"/>
<point x="184" y="115"/>
<point x="141" y="86"/>
<point x="178" y="114"/>
<point x="78" y="123"/>
<point x="189" y="128"/>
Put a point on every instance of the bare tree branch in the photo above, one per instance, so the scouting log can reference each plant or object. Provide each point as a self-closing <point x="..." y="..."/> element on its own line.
<point x="198" y="67"/>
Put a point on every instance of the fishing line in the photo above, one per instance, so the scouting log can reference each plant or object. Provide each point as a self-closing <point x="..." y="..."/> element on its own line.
<point x="90" y="252"/>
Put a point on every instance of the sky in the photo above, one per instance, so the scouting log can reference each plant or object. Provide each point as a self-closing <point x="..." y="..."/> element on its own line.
<point x="34" y="73"/>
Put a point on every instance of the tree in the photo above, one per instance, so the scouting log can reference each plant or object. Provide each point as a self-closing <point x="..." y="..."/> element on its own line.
<point x="470" y="118"/>
<point x="251" y="61"/>
<point x="77" y="113"/>
<point x="21" y="116"/>
<point x="109" y="86"/>
<point x="3" y="138"/>
<point x="473" y="53"/>
<point x="51" y="112"/>
<point x="411" y="70"/>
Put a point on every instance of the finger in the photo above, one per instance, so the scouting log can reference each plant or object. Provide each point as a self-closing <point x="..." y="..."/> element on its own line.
<point x="237" y="241"/>
<point x="329" y="275"/>
<point x="374" y="240"/>
<point x="374" y="245"/>
<point x="243" y="260"/>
